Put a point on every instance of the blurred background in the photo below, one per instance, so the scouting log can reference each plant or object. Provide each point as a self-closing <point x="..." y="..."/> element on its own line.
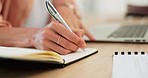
<point x="110" y="11"/>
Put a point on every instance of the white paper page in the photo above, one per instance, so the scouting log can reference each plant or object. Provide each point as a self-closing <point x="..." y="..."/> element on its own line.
<point x="77" y="55"/>
<point x="142" y="65"/>
<point x="130" y="66"/>
<point x="9" y="52"/>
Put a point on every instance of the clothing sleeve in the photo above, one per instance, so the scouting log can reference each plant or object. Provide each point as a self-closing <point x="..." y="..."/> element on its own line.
<point x="3" y="23"/>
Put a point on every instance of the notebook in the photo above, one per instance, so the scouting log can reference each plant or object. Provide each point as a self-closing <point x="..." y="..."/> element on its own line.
<point x="130" y="65"/>
<point x="49" y="57"/>
<point x="136" y="33"/>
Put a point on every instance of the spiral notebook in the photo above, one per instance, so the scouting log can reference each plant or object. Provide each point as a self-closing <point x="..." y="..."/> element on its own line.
<point x="130" y="65"/>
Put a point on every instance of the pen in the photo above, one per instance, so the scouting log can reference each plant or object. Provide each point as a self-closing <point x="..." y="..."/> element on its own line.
<point x="54" y="13"/>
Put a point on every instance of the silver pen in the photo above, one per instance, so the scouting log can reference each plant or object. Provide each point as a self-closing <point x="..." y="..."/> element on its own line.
<point x="54" y="13"/>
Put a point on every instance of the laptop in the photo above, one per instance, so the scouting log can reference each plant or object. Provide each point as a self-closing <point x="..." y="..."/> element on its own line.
<point x="136" y="33"/>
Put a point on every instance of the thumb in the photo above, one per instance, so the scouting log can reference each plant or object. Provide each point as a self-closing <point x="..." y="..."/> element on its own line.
<point x="79" y="32"/>
<point x="87" y="33"/>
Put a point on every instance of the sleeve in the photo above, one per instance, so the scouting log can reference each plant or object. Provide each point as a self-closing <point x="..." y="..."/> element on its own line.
<point x="3" y="23"/>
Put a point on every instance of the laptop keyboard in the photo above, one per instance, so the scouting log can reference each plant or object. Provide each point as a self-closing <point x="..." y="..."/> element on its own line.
<point x="130" y="31"/>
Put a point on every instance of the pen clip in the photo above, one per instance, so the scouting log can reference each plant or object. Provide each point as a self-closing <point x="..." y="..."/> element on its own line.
<point x="51" y="10"/>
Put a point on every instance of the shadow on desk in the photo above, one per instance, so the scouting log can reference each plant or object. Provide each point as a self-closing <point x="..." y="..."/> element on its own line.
<point x="26" y="65"/>
<point x="19" y="69"/>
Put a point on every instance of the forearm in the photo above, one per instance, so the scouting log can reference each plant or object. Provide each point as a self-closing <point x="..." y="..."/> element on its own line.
<point x="17" y="37"/>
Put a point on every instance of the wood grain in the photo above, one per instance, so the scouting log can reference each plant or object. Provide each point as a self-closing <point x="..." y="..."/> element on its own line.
<point x="95" y="66"/>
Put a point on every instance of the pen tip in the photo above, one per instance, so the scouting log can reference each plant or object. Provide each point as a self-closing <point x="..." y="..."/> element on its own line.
<point x="83" y="49"/>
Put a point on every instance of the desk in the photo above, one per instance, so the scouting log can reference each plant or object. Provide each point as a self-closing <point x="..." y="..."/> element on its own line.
<point x="95" y="66"/>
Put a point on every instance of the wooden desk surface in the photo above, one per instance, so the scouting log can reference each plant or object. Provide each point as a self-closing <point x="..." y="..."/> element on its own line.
<point x="95" y="66"/>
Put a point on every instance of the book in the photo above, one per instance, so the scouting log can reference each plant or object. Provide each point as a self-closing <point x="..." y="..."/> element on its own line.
<point x="34" y="55"/>
<point x="130" y="65"/>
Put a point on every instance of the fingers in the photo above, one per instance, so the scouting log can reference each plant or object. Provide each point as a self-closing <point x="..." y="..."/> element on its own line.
<point x="87" y="33"/>
<point x="54" y="37"/>
<point x="49" y="45"/>
<point x="80" y="33"/>
<point x="70" y="36"/>
<point x="57" y="38"/>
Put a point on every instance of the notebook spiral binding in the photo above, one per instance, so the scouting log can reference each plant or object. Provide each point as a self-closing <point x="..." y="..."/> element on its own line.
<point x="130" y="53"/>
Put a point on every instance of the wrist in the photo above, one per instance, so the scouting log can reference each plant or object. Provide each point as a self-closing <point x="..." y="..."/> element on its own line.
<point x="71" y="7"/>
<point x="74" y="8"/>
<point x="33" y="36"/>
<point x="62" y="2"/>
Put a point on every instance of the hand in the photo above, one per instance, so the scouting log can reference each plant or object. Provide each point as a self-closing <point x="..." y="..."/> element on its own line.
<point x="73" y="21"/>
<point x="57" y="38"/>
